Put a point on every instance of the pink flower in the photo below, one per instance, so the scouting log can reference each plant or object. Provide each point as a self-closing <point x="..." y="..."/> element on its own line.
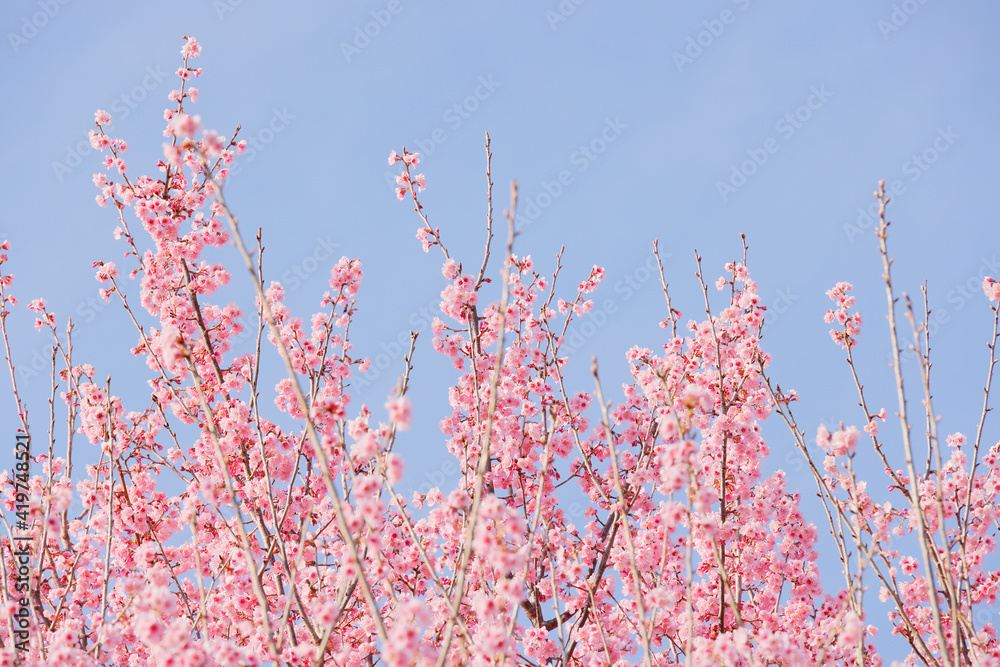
<point x="394" y="467"/>
<point x="212" y="143"/>
<point x="591" y="283"/>
<point x="102" y="117"/>
<point x="423" y="235"/>
<point x="184" y="125"/>
<point x="98" y="141"/>
<point x="851" y="322"/>
<point x="956" y="440"/>
<point x="992" y="289"/>
<point x="107" y="272"/>
<point x="844" y="442"/>
<point x="171" y="345"/>
<point x="173" y="155"/>
<point x="191" y="48"/>
<point x="450" y="270"/>
<point x="400" y="412"/>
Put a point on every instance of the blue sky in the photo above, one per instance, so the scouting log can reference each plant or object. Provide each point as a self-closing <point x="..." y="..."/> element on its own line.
<point x="687" y="122"/>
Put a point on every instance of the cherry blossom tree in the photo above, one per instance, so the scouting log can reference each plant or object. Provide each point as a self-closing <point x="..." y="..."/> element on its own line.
<point x="218" y="528"/>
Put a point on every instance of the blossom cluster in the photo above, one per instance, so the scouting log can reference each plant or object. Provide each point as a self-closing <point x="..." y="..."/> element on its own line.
<point x="404" y="180"/>
<point x="850" y="322"/>
<point x="229" y="522"/>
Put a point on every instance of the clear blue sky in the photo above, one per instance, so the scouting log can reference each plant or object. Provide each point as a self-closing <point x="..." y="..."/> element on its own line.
<point x="650" y="109"/>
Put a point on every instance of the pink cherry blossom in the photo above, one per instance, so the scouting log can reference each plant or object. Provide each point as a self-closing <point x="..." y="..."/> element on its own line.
<point x="250" y="511"/>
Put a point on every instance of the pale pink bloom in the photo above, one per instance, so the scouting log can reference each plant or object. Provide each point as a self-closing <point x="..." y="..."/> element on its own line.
<point x="844" y="442"/>
<point x="400" y="412"/>
<point x="212" y="143"/>
<point x="107" y="272"/>
<point x="591" y="283"/>
<point x="956" y="440"/>
<point x="98" y="141"/>
<point x="991" y="288"/>
<point x="191" y="48"/>
<point x="450" y="269"/>
<point x="102" y="117"/>
<point x="171" y="345"/>
<point x="173" y="155"/>
<point x="185" y="125"/>
<point x="394" y="468"/>
<point x="423" y="234"/>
